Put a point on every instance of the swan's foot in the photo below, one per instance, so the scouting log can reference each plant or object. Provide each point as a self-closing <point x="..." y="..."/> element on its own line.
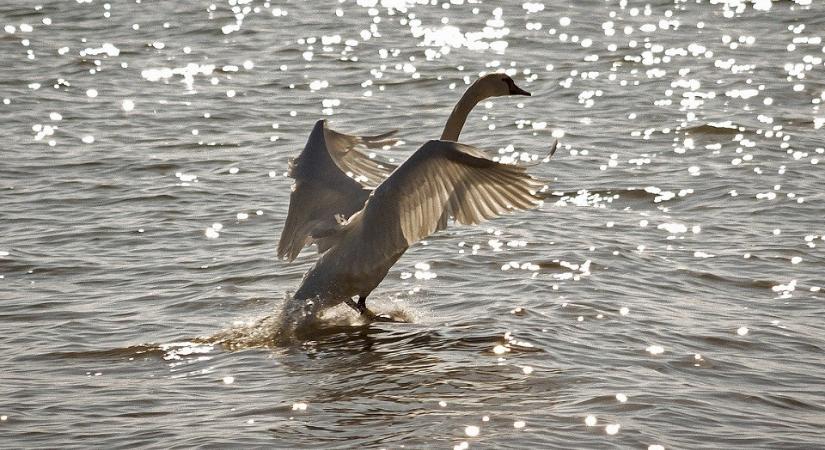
<point x="362" y="309"/>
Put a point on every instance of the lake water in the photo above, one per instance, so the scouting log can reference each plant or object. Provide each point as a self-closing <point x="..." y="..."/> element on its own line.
<point x="666" y="295"/>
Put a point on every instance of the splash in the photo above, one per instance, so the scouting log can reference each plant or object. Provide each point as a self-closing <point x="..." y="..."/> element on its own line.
<point x="297" y="321"/>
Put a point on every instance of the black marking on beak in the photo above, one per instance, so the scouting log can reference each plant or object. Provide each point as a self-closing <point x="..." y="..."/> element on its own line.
<point x="515" y="90"/>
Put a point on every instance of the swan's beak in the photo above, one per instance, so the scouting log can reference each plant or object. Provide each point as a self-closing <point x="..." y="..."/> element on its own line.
<point x="515" y="90"/>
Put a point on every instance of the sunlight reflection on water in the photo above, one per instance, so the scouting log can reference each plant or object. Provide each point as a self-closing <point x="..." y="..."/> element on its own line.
<point x="650" y="302"/>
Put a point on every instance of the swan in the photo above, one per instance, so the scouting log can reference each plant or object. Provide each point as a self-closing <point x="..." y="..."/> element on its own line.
<point x="334" y="178"/>
<point x="441" y="180"/>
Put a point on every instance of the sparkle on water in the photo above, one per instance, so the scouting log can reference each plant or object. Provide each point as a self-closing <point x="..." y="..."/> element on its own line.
<point x="675" y="264"/>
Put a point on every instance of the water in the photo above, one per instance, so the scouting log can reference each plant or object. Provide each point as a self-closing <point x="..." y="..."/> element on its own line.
<point x="668" y="294"/>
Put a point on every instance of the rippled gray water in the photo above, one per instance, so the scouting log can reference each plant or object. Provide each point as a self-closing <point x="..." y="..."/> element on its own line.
<point x="667" y="295"/>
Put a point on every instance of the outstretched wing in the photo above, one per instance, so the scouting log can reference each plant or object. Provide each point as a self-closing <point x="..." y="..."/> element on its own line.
<point x="332" y="177"/>
<point x="441" y="180"/>
<point x="367" y="170"/>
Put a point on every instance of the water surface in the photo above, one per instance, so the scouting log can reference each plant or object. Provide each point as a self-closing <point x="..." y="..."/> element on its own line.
<point x="666" y="295"/>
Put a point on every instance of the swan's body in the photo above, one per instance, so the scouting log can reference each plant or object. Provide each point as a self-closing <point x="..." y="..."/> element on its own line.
<point x="442" y="180"/>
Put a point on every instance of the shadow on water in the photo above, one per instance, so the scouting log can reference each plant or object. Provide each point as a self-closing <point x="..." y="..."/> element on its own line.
<point x="342" y="375"/>
<point x="379" y="375"/>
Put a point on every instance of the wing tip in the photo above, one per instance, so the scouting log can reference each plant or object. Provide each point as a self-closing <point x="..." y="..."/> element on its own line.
<point x="285" y="252"/>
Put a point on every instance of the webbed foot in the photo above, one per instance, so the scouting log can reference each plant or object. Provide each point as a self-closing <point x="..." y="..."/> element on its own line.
<point x="362" y="309"/>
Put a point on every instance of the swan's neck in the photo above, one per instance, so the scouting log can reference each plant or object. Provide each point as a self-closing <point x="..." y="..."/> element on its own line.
<point x="459" y="115"/>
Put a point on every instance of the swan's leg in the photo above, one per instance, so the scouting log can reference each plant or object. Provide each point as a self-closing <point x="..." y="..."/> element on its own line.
<point x="362" y="305"/>
<point x="354" y="306"/>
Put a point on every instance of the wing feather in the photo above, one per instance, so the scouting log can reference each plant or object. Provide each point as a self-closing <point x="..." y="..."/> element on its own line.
<point x="343" y="149"/>
<point x="332" y="177"/>
<point x="442" y="179"/>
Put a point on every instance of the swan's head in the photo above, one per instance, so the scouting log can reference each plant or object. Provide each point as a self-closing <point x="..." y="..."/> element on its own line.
<point x="499" y="85"/>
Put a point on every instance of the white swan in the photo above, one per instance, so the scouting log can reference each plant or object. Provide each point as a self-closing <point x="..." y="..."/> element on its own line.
<point x="333" y="178"/>
<point x="441" y="180"/>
